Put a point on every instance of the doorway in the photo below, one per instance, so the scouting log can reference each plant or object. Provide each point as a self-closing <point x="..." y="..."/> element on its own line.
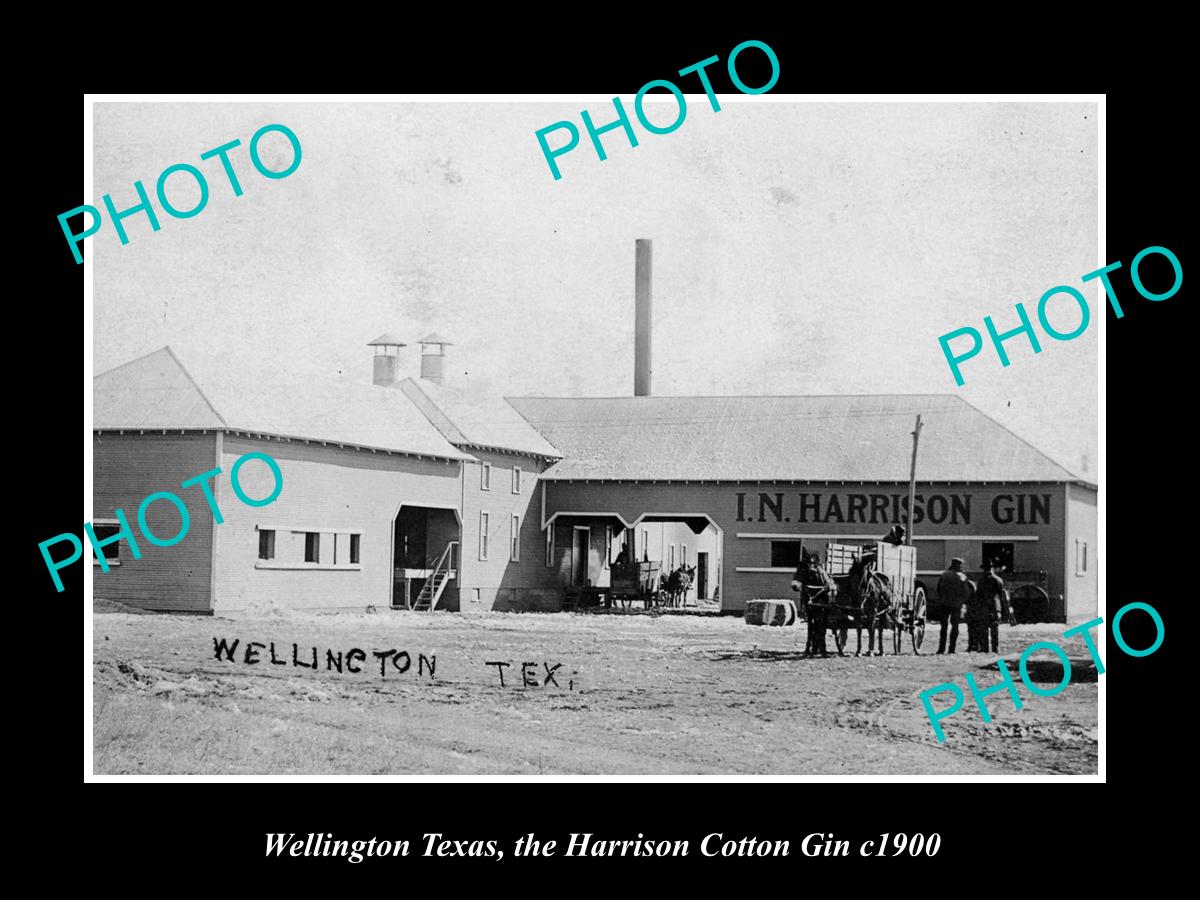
<point x="580" y="545"/>
<point x="688" y="540"/>
<point x="421" y="535"/>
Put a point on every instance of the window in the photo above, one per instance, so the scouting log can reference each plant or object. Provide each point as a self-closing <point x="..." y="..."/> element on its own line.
<point x="345" y="548"/>
<point x="671" y="555"/>
<point x="550" y="546"/>
<point x="785" y="554"/>
<point x="1000" y="552"/>
<point x="308" y="546"/>
<point x="645" y="544"/>
<point x="485" y="477"/>
<point x="516" y="479"/>
<point x="607" y="545"/>
<point x="515" y="539"/>
<point x="683" y="554"/>
<point x="483" y="535"/>
<point x="112" y="552"/>
<point x="312" y="546"/>
<point x="1080" y="557"/>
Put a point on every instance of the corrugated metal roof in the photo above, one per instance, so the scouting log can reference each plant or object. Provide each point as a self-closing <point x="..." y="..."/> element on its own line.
<point x="156" y="392"/>
<point x="827" y="438"/>
<point x="467" y="415"/>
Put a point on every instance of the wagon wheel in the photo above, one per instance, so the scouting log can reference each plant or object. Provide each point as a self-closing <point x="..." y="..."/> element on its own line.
<point x="918" y="619"/>
<point x="1030" y="603"/>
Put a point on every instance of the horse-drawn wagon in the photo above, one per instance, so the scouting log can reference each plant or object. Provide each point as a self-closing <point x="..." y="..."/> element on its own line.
<point x="634" y="581"/>
<point x="908" y="608"/>
<point x="872" y="587"/>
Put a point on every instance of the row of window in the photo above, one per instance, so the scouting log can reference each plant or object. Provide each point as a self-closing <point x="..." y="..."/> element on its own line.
<point x="670" y="561"/>
<point x="608" y="544"/>
<point x="485" y="478"/>
<point x="514" y="537"/>
<point x="344" y="548"/>
<point x="329" y="548"/>
<point x="786" y="555"/>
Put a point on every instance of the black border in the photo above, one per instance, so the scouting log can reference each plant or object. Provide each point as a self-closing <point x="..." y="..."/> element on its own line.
<point x="222" y="827"/>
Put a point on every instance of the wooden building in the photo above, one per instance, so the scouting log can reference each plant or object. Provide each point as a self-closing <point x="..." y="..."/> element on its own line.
<point x="403" y="493"/>
<point x="772" y="473"/>
<point x="423" y="492"/>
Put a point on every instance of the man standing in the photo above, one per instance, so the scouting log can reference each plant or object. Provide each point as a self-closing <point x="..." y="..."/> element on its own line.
<point x="952" y="593"/>
<point x="984" y="609"/>
<point x="992" y="603"/>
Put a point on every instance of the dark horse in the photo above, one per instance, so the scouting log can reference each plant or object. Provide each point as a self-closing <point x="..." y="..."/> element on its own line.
<point x="818" y="593"/>
<point x="866" y="593"/>
<point x="872" y="595"/>
<point x="676" y="585"/>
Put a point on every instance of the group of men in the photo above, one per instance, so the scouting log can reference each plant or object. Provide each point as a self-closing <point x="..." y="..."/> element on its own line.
<point x="980" y="606"/>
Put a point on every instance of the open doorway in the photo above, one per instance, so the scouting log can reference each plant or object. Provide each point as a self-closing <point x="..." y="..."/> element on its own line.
<point x="691" y="543"/>
<point x="581" y="568"/>
<point x="425" y="542"/>
<point x="702" y="575"/>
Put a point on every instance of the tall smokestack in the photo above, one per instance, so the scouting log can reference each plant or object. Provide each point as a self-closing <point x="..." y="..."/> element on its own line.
<point x="641" y="320"/>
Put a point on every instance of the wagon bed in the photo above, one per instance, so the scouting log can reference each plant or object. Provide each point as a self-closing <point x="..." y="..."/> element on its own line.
<point x="899" y="565"/>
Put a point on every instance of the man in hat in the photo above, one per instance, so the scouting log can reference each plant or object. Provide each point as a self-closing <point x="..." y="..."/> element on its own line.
<point x="983" y="607"/>
<point x="952" y="593"/>
<point x="992" y="602"/>
<point x="622" y="559"/>
<point x="895" y="536"/>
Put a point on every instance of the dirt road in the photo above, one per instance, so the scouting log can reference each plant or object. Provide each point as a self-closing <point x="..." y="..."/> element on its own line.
<point x="670" y="694"/>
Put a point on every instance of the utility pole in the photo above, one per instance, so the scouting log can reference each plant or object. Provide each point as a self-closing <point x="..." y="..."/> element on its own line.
<point x="912" y="484"/>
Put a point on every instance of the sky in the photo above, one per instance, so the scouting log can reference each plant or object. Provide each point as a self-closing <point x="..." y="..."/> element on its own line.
<point x="798" y="248"/>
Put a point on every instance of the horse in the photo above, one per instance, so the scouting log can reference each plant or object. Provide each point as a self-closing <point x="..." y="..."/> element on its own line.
<point x="818" y="592"/>
<point x="675" y="586"/>
<point x="871" y="594"/>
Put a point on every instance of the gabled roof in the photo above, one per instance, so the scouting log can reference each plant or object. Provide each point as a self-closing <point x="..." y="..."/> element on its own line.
<point x="153" y="391"/>
<point x="387" y="339"/>
<point x="468" y="416"/>
<point x="434" y="338"/>
<point x="825" y="438"/>
<point x="157" y="392"/>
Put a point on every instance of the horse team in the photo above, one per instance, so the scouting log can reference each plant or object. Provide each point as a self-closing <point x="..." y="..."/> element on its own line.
<point x="864" y="599"/>
<point x="673" y="587"/>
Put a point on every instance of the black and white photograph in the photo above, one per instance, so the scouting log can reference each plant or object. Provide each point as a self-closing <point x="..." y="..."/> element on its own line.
<point x="494" y="437"/>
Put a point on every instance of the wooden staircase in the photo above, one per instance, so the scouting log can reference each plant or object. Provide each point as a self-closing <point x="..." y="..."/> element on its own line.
<point x="435" y="584"/>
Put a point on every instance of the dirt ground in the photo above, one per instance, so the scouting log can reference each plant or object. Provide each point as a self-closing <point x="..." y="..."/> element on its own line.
<point x="635" y="695"/>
